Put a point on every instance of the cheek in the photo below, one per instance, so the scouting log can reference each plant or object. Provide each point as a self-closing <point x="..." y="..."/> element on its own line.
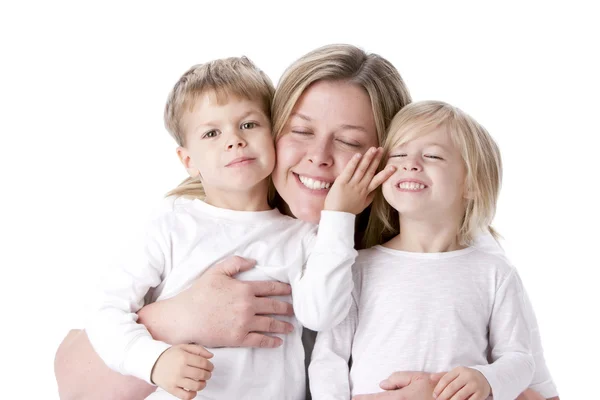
<point x="289" y="154"/>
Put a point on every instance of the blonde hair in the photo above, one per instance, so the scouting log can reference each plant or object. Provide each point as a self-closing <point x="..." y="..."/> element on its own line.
<point x="342" y="62"/>
<point x="480" y="155"/>
<point x="233" y="76"/>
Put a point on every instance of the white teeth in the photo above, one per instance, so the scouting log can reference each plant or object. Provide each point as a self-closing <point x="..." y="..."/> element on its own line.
<point x="314" y="184"/>
<point x="411" y="186"/>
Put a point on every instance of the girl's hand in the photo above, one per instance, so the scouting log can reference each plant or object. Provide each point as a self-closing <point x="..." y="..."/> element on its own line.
<point x="462" y="383"/>
<point x="354" y="189"/>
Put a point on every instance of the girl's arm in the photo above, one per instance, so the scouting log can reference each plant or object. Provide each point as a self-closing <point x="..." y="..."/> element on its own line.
<point x="216" y="300"/>
<point x="329" y="374"/>
<point x="322" y="291"/>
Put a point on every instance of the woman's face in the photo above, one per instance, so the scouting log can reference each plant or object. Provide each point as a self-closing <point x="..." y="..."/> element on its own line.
<point x="331" y="122"/>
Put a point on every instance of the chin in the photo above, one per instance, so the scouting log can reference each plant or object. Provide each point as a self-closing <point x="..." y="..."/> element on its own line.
<point x="306" y="214"/>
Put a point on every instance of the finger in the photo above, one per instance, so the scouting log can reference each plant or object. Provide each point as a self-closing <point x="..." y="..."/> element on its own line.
<point x="363" y="166"/>
<point x="254" y="339"/>
<point x="183" y="394"/>
<point x="451" y="389"/>
<point x="197" y="350"/>
<point x="269" y="288"/>
<point x="192" y="385"/>
<point x="398" y="380"/>
<point x="435" y="378"/>
<point x="464" y="394"/>
<point x="270" y="325"/>
<point x="264" y="305"/>
<point x="196" y="374"/>
<point x="373" y="165"/>
<point x="233" y="265"/>
<point x="444" y="382"/>
<point x="377" y="396"/>
<point x="381" y="177"/>
<point x="199" y="363"/>
<point x="349" y="169"/>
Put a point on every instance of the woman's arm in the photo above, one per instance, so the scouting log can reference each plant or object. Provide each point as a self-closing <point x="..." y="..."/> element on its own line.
<point x="217" y="311"/>
<point x="81" y="374"/>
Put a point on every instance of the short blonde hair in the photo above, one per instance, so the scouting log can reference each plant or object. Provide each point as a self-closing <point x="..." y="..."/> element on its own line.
<point x="342" y="62"/>
<point x="480" y="155"/>
<point x="233" y="76"/>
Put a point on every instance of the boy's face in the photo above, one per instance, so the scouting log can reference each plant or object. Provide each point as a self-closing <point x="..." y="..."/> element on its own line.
<point x="429" y="182"/>
<point x="229" y="145"/>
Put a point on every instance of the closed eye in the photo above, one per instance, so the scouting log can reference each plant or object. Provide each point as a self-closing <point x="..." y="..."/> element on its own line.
<point x="398" y="155"/>
<point x="433" y="156"/>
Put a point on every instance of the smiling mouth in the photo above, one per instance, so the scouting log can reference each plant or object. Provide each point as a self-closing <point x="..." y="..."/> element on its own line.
<point x="313" y="184"/>
<point x="411" y="186"/>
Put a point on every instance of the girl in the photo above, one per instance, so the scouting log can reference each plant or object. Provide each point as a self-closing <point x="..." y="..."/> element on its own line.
<point x="427" y="300"/>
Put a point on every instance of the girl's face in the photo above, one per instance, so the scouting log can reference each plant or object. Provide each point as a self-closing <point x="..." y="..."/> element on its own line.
<point x="331" y="121"/>
<point x="429" y="182"/>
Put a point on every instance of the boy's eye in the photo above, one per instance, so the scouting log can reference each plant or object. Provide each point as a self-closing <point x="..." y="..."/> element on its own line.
<point x="398" y="155"/>
<point x="433" y="156"/>
<point x="211" y="134"/>
<point x="248" y="125"/>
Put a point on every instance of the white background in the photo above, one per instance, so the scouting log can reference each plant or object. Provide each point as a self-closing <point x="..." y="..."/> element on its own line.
<point x="84" y="156"/>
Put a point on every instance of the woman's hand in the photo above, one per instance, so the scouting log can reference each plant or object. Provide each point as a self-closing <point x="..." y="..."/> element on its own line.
<point x="405" y="386"/>
<point x="220" y="311"/>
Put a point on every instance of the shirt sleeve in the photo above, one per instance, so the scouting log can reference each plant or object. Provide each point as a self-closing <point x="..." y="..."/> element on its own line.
<point x="322" y="291"/>
<point x="329" y="374"/>
<point x="542" y="380"/>
<point x="126" y="346"/>
<point x="510" y="342"/>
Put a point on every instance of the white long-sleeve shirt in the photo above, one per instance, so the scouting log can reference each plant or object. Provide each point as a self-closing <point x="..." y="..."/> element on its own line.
<point x="191" y="236"/>
<point x="427" y="312"/>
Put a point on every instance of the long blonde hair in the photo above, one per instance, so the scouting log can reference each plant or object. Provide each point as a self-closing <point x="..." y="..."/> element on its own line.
<point x="480" y="155"/>
<point x="342" y="62"/>
<point x="233" y="76"/>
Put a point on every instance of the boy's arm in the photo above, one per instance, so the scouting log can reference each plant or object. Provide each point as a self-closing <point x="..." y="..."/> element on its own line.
<point x="510" y="342"/>
<point x="322" y="291"/>
<point x="81" y="373"/>
<point x="328" y="370"/>
<point x="123" y="344"/>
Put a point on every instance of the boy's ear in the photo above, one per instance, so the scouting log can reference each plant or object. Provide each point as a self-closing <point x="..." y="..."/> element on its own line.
<point x="186" y="160"/>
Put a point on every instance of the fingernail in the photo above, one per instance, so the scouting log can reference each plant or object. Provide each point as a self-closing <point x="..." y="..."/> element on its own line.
<point x="392" y="168"/>
<point x="357" y="155"/>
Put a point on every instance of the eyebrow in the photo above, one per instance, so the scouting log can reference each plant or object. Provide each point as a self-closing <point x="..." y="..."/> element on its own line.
<point x="243" y="116"/>
<point x="343" y="126"/>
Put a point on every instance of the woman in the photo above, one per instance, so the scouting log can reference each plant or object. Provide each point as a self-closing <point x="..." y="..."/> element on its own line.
<point x="329" y="104"/>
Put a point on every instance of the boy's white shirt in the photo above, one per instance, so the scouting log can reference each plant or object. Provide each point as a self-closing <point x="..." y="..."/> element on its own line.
<point x="431" y="312"/>
<point x="190" y="236"/>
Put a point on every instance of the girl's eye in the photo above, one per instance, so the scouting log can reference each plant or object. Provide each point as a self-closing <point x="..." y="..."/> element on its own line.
<point x="248" y="125"/>
<point x="211" y="134"/>
<point x="433" y="156"/>
<point x="398" y="155"/>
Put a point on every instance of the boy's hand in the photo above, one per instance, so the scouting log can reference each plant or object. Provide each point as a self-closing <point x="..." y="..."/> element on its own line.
<point x="183" y="370"/>
<point x="462" y="383"/>
<point x="354" y="189"/>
